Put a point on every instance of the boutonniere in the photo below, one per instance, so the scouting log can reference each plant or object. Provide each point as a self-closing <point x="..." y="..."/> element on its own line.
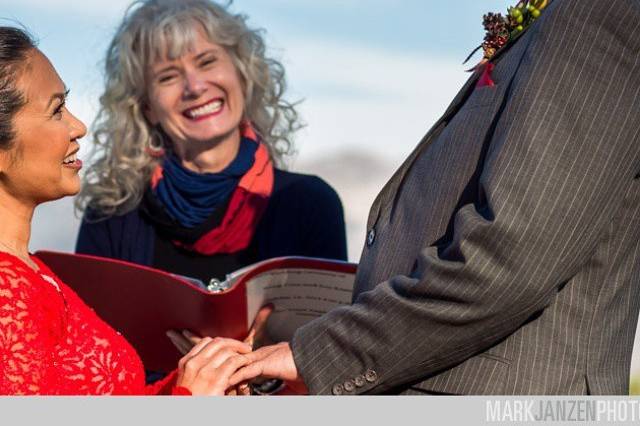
<point x="503" y="30"/>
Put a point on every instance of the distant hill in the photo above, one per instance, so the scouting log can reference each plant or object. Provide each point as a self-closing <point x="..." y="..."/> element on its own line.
<point x="358" y="177"/>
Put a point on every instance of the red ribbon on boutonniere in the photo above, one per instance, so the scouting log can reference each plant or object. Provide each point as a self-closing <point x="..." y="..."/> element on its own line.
<point x="501" y="30"/>
<point x="485" y="79"/>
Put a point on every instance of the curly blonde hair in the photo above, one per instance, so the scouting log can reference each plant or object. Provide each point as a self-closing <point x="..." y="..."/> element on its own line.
<point x="124" y="141"/>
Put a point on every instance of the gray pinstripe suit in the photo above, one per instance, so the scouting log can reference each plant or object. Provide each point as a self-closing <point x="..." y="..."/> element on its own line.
<point x="506" y="254"/>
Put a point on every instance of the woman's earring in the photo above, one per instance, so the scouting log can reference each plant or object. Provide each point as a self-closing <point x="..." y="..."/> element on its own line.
<point x="155" y="147"/>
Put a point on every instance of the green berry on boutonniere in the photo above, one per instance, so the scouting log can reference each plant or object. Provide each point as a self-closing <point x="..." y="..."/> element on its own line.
<point x="501" y="30"/>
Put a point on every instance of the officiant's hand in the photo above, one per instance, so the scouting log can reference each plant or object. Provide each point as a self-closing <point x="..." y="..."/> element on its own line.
<point x="257" y="334"/>
<point x="184" y="341"/>
<point x="207" y="368"/>
<point x="275" y="362"/>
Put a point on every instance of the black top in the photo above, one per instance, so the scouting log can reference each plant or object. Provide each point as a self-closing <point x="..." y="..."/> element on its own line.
<point x="304" y="217"/>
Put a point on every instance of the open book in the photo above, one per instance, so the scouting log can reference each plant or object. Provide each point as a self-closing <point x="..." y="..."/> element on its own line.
<point x="143" y="303"/>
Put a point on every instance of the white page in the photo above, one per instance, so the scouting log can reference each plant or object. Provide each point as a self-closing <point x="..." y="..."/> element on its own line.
<point x="298" y="295"/>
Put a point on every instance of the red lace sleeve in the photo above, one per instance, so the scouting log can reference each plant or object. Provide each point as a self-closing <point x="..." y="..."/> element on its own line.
<point x="51" y="343"/>
<point x="29" y="330"/>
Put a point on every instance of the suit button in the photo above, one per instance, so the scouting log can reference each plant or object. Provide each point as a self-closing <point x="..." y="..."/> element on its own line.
<point x="349" y="386"/>
<point x="371" y="376"/>
<point x="338" y="390"/>
<point x="371" y="237"/>
<point x="359" y="381"/>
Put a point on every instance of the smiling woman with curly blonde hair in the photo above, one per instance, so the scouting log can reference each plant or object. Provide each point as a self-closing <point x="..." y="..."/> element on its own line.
<point x="192" y="129"/>
<point x="127" y="146"/>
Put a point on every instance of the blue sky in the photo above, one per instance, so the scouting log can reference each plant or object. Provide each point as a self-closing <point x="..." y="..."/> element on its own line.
<point x="353" y="62"/>
<point x="420" y="26"/>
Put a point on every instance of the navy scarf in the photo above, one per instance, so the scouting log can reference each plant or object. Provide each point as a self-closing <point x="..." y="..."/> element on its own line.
<point x="189" y="197"/>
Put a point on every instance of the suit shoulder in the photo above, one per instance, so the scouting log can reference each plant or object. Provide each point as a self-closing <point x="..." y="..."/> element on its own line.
<point x="572" y="18"/>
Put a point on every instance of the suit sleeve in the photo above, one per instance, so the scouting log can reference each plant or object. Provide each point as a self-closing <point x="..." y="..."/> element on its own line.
<point x="564" y="151"/>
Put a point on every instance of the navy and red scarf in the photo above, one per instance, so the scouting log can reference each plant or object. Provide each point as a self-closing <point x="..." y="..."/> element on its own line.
<point x="212" y="213"/>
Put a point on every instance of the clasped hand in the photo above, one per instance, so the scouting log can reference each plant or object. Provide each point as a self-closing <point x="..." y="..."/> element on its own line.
<point x="220" y="366"/>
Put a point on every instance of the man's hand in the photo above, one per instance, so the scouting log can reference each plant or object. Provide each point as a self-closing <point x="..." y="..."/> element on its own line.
<point x="274" y="362"/>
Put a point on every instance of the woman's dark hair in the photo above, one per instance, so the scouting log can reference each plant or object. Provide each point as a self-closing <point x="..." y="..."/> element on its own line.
<point x="15" y="45"/>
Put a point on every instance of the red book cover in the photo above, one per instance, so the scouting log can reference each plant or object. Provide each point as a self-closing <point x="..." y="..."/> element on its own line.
<point x="143" y="303"/>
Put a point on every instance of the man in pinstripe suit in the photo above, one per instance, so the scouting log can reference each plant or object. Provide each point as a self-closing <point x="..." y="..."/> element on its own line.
<point x="503" y="257"/>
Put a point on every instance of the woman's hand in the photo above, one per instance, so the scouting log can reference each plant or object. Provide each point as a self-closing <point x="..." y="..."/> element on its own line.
<point x="207" y="368"/>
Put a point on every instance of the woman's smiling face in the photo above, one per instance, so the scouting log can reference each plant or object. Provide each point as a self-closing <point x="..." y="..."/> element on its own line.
<point x="41" y="164"/>
<point x="198" y="97"/>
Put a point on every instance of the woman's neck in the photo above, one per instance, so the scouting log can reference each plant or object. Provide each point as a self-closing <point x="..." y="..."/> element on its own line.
<point x="15" y="226"/>
<point x="209" y="157"/>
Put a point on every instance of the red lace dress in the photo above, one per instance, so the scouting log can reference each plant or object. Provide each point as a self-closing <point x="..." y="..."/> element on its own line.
<point x="51" y="343"/>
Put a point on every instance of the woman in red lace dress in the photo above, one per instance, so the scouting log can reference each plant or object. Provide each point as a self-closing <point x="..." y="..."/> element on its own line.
<point x="50" y="341"/>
